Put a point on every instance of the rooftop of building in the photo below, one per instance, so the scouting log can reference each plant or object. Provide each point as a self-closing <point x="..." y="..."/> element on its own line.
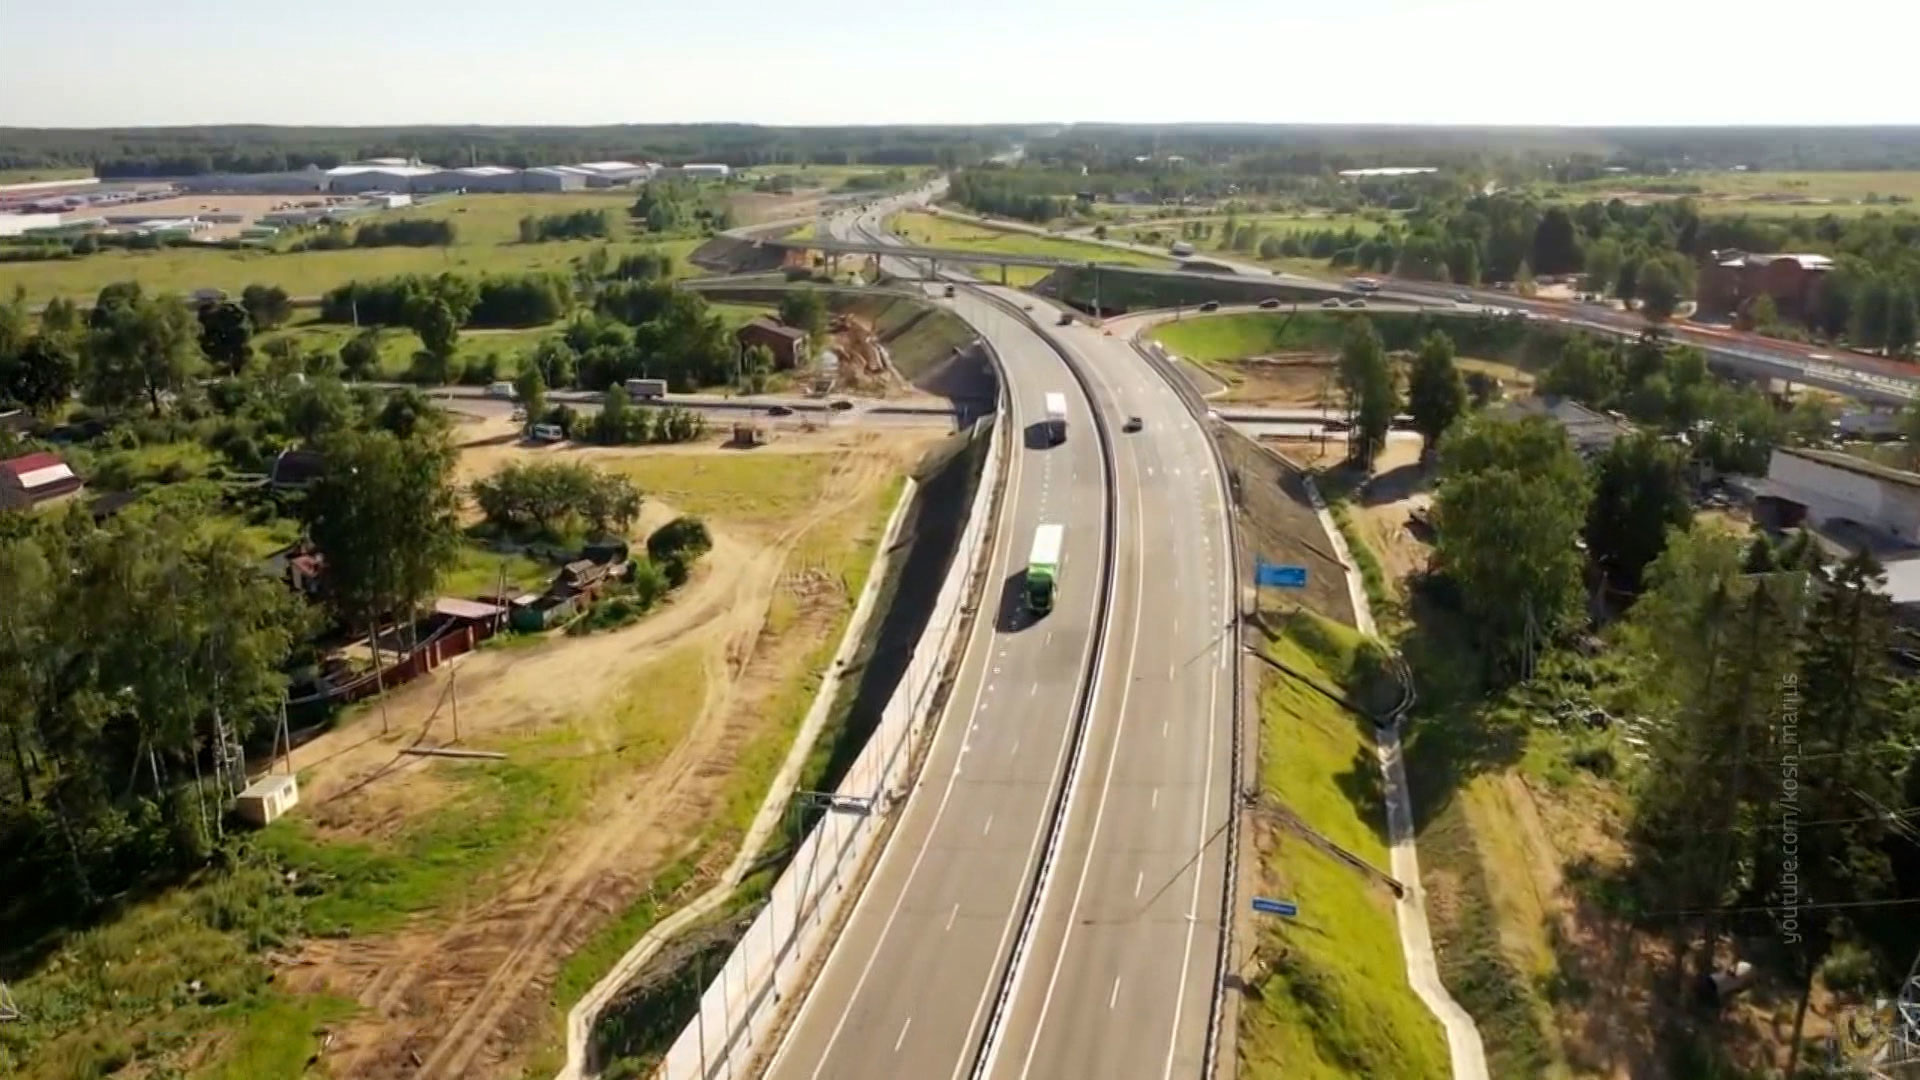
<point x="1807" y="260"/>
<point x="1837" y="459"/>
<point x="775" y="326"/>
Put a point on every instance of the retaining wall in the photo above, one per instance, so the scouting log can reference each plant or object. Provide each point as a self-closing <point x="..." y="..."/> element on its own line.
<point x="739" y="1011"/>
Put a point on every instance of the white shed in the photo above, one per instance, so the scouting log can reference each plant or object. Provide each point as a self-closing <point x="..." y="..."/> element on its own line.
<point x="268" y="797"/>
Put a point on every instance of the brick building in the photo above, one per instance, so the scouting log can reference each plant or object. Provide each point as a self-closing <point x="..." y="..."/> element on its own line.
<point x="1731" y="280"/>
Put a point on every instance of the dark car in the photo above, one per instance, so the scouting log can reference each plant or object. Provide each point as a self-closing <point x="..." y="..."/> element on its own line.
<point x="949" y="290"/>
<point x="1066" y="318"/>
<point x="1211" y="305"/>
<point x="779" y="410"/>
<point x="1133" y="424"/>
<point x="841" y="405"/>
<point x="1270" y="302"/>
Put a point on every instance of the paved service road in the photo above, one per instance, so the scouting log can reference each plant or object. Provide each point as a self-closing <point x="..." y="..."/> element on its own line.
<point x="908" y="987"/>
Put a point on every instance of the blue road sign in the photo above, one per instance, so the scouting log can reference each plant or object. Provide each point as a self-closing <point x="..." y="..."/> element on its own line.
<point x="1266" y="906"/>
<point x="1280" y="575"/>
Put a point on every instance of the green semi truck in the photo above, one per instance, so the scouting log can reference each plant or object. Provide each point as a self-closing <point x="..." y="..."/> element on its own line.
<point x="1043" y="567"/>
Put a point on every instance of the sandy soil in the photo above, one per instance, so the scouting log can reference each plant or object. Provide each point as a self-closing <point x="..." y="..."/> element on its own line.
<point x="465" y="994"/>
<point x="1310" y="379"/>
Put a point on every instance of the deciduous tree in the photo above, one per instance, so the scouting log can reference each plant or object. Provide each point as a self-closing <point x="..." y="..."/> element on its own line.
<point x="1436" y="395"/>
<point x="1640" y="493"/>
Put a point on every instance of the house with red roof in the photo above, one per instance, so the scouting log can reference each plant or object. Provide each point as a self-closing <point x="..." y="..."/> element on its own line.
<point x="32" y="479"/>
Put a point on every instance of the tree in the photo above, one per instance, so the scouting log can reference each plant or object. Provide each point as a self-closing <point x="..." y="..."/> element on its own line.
<point x="1658" y="292"/>
<point x="112" y="299"/>
<point x="804" y="309"/>
<point x="267" y="305"/>
<point x="60" y="318"/>
<point x="1640" y="492"/>
<point x="1270" y="247"/>
<point x="1436" y="395"/>
<point x="531" y="386"/>
<point x="407" y="413"/>
<point x="1556" y="246"/>
<point x="1523" y="280"/>
<point x="1366" y="378"/>
<point x="141" y="347"/>
<point x="318" y="407"/>
<point x="385" y="515"/>
<point x="1586" y="371"/>
<point x="1512" y="500"/>
<point x="433" y="319"/>
<point x="1903" y="320"/>
<point x="40" y="377"/>
<point x="1848" y="722"/>
<point x="1762" y="314"/>
<point x="14" y="329"/>
<point x="360" y="356"/>
<point x="1601" y="260"/>
<point x="225" y="336"/>
<point x="1100" y="232"/>
<point x="756" y="366"/>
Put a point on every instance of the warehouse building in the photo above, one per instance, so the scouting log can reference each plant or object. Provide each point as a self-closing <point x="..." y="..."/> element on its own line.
<point x="705" y="171"/>
<point x="1827" y="487"/>
<point x="554" y="178"/>
<point x="471" y="178"/>
<point x="360" y="178"/>
<point x="602" y="174"/>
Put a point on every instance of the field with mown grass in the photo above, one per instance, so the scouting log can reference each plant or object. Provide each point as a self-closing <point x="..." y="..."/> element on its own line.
<point x="932" y="230"/>
<point x="1763" y="194"/>
<point x="486" y="242"/>
<point x="1333" y="1001"/>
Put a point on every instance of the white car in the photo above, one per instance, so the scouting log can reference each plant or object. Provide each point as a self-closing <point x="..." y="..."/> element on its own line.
<point x="548" y="433"/>
<point x="501" y="390"/>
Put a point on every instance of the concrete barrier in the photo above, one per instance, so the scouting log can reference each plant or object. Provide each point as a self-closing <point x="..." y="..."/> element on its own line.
<point x="739" y="1011"/>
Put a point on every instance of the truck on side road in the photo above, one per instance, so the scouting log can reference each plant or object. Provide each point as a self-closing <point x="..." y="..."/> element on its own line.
<point x="646" y="389"/>
<point x="1056" y="418"/>
<point x="1043" y="567"/>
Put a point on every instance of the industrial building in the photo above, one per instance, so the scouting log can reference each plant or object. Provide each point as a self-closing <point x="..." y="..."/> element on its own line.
<point x="602" y="174"/>
<point x="359" y="179"/>
<point x="554" y="178"/>
<point x="470" y="178"/>
<point x="308" y="181"/>
<point x="1824" y="487"/>
<point x="705" y="171"/>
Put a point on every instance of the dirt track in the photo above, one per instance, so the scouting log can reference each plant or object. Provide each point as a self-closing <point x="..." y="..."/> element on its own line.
<point x="466" y="992"/>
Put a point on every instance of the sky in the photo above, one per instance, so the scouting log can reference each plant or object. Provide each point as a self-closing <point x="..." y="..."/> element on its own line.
<point x="355" y="62"/>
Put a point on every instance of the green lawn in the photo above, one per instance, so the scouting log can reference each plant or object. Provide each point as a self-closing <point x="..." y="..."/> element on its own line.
<point x="487" y="242"/>
<point x="1333" y="1000"/>
<point x="397" y="344"/>
<point x="1212" y="338"/>
<point x="935" y="231"/>
<point x="748" y="489"/>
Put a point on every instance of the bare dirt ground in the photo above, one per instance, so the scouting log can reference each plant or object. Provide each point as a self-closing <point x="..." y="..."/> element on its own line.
<point x="465" y="993"/>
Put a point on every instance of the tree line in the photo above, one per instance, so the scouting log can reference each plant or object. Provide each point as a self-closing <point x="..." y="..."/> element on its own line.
<point x="188" y="151"/>
<point x="578" y="225"/>
<point x="400" y="232"/>
<point x="1780" y="753"/>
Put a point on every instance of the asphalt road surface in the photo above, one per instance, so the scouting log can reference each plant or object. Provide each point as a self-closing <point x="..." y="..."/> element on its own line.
<point x="1116" y="977"/>
<point x="911" y="981"/>
<point x="1121" y="975"/>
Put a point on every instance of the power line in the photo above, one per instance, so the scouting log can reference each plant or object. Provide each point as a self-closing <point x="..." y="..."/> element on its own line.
<point x="1830" y="905"/>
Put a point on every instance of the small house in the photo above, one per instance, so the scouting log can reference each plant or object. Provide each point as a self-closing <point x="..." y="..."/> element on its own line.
<point x="33" y="479"/>
<point x="788" y="344"/>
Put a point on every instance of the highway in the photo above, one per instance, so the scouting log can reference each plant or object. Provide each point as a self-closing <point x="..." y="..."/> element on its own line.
<point x="1121" y="975"/>
<point x="910" y="984"/>
<point x="1113" y="975"/>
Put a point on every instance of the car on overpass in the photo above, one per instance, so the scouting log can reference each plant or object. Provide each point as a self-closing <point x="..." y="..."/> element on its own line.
<point x="1270" y="303"/>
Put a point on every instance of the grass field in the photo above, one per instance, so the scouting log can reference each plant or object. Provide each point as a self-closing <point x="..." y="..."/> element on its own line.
<point x="935" y="231"/>
<point x="35" y="176"/>
<point x="487" y="241"/>
<point x="1773" y="194"/>
<point x="1333" y="1000"/>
